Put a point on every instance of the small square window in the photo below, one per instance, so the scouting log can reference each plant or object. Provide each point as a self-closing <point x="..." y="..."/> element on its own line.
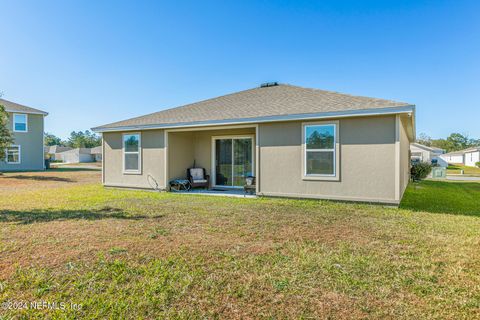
<point x="12" y="155"/>
<point x="20" y="122"/>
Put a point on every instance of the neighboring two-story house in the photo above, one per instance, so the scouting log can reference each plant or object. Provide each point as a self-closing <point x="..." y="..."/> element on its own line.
<point x="27" y="126"/>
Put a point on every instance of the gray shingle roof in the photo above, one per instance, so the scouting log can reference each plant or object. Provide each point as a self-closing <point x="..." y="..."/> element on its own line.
<point x="427" y="147"/>
<point x="261" y="102"/>
<point x="56" y="149"/>
<point x="15" y="107"/>
<point x="472" y="149"/>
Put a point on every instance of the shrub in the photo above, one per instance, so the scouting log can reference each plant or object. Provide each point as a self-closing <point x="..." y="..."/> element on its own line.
<point x="477" y="164"/>
<point x="420" y="170"/>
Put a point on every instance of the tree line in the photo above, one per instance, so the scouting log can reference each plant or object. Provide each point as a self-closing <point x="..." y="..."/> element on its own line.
<point x="77" y="139"/>
<point x="454" y="142"/>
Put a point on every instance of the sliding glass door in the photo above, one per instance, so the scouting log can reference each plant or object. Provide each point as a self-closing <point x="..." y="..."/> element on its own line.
<point x="223" y="162"/>
<point x="233" y="161"/>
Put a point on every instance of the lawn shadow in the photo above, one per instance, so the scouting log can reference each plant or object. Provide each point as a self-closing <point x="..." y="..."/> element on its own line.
<point x="451" y="197"/>
<point x="41" y="178"/>
<point x="46" y="215"/>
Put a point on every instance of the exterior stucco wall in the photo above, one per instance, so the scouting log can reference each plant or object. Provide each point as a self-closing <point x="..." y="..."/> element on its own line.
<point x="404" y="155"/>
<point x="180" y="154"/>
<point x="185" y="148"/>
<point x="471" y="158"/>
<point x="31" y="144"/>
<point x="152" y="160"/>
<point x="367" y="161"/>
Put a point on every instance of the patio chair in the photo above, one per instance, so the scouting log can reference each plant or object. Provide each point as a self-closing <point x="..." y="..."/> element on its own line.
<point x="250" y="185"/>
<point x="198" y="177"/>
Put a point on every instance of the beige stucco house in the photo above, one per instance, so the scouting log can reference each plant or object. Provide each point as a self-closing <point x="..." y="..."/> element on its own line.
<point x="54" y="153"/>
<point x="26" y="125"/>
<point x="297" y="142"/>
<point x="77" y="155"/>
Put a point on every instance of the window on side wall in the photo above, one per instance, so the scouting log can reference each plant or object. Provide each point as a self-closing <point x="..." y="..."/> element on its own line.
<point x="20" y="122"/>
<point x="320" y="151"/>
<point x="131" y="153"/>
<point x="13" y="155"/>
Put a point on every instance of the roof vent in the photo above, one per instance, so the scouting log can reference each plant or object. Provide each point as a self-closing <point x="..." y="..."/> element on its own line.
<point x="269" y="84"/>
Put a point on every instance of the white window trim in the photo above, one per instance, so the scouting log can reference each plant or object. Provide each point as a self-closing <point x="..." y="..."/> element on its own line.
<point x="19" y="154"/>
<point x="336" y="152"/>
<point x="139" y="152"/>
<point x="26" y="122"/>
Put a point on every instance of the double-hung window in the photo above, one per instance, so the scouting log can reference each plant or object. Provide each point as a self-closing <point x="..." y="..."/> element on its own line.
<point x="20" y="122"/>
<point x="13" y="155"/>
<point x="131" y="153"/>
<point x="320" y="150"/>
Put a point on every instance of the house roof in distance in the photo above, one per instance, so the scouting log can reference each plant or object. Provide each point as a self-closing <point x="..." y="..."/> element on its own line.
<point x="424" y="147"/>
<point x="472" y="149"/>
<point x="56" y="149"/>
<point x="15" y="107"/>
<point x="461" y="152"/>
<point x="267" y="103"/>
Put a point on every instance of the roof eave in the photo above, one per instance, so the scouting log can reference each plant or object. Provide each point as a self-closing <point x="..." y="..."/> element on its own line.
<point x="28" y="112"/>
<point x="409" y="109"/>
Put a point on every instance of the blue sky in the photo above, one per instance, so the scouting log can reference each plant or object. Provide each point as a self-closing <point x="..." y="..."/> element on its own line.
<point x="93" y="62"/>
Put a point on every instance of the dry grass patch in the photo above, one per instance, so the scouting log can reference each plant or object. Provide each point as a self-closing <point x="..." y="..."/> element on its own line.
<point x="51" y="179"/>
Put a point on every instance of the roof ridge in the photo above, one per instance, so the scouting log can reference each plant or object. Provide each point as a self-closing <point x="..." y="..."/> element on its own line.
<point x="278" y="100"/>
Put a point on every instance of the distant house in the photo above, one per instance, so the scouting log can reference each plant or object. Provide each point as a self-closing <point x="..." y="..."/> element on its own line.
<point x="78" y="155"/>
<point x="468" y="157"/>
<point x="97" y="153"/>
<point x="54" y="152"/>
<point x="26" y="124"/>
<point x="422" y="153"/>
<point x="455" y="157"/>
<point x="472" y="156"/>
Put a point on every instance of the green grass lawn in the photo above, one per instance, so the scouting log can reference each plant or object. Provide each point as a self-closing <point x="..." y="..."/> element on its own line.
<point x="455" y="169"/>
<point x="443" y="197"/>
<point x="134" y="254"/>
